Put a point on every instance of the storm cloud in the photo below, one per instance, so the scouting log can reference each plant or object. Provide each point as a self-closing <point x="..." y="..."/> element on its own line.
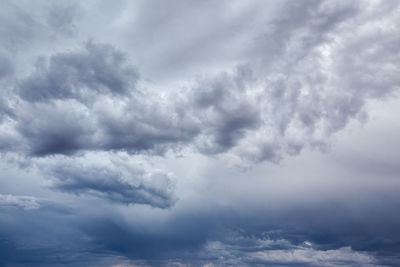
<point x="212" y="133"/>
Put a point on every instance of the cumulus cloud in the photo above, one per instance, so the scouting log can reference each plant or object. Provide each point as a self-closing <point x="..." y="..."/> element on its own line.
<point x="310" y="86"/>
<point x="87" y="100"/>
<point x="306" y="86"/>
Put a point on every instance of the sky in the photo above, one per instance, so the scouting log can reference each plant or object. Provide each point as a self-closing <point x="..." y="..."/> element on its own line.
<point x="199" y="133"/>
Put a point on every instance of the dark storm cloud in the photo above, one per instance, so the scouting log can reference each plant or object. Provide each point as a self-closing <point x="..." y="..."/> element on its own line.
<point x="43" y="236"/>
<point x="326" y="234"/>
<point x="310" y="236"/>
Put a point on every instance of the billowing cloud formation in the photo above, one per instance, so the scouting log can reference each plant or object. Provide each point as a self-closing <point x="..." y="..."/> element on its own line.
<point x="87" y="100"/>
<point x="100" y="105"/>
<point x="305" y="86"/>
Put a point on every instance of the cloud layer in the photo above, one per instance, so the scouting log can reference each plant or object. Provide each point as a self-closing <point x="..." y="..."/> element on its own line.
<point x="306" y="84"/>
<point x="126" y="125"/>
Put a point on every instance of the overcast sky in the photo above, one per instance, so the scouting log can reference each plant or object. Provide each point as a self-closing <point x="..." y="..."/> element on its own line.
<point x="200" y="133"/>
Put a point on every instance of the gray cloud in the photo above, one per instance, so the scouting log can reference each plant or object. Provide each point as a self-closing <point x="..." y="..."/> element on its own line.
<point x="226" y="114"/>
<point x="6" y="66"/>
<point x="114" y="179"/>
<point x="54" y="128"/>
<point x="87" y="100"/>
<point x="310" y="90"/>
<point x="300" y="236"/>
<point x="80" y="74"/>
<point x="242" y="87"/>
<point x="260" y="111"/>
